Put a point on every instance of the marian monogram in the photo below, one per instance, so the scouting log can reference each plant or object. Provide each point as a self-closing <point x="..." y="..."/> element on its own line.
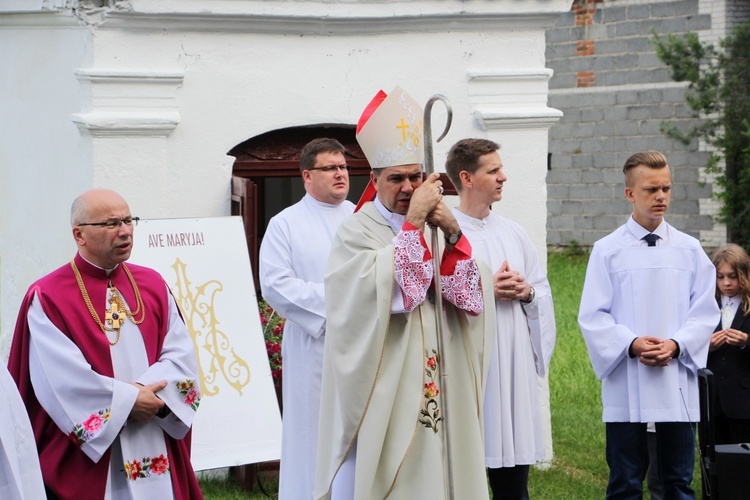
<point x="197" y="306"/>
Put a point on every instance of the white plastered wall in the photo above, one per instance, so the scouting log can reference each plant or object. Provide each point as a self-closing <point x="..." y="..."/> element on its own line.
<point x="148" y="103"/>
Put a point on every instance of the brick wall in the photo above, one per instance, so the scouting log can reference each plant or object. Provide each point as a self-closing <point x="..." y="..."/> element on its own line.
<point x="614" y="93"/>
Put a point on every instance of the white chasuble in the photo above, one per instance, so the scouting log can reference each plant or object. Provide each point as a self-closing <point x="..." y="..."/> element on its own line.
<point x="381" y="378"/>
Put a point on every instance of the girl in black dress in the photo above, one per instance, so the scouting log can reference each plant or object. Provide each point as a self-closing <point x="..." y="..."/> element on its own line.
<point x="729" y="356"/>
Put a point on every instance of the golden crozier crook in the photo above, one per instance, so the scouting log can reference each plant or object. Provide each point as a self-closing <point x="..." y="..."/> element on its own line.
<point x="116" y="304"/>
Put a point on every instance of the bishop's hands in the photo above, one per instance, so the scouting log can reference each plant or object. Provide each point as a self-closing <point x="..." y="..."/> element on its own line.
<point x="427" y="205"/>
<point x="147" y="404"/>
<point x="653" y="351"/>
<point x="509" y="285"/>
<point x="729" y="336"/>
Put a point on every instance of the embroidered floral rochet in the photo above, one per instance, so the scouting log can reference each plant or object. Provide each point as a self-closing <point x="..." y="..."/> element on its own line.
<point x="462" y="288"/>
<point x="190" y="393"/>
<point x="430" y="412"/>
<point x="88" y="428"/>
<point x="155" y="466"/>
<point x="413" y="273"/>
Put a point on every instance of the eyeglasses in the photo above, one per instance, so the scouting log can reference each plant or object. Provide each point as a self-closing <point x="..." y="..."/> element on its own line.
<point x="113" y="223"/>
<point x="332" y="168"/>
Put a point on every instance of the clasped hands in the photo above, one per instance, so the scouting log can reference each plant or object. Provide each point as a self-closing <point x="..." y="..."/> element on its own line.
<point x="728" y="336"/>
<point x="147" y="404"/>
<point x="653" y="351"/>
<point x="509" y="285"/>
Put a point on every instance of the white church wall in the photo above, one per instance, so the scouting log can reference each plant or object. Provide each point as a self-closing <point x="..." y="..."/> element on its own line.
<point x="42" y="162"/>
<point x="160" y="98"/>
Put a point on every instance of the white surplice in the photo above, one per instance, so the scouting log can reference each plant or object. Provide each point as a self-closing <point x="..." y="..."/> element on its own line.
<point x="293" y="258"/>
<point x="77" y="397"/>
<point x="20" y="474"/>
<point x="632" y="290"/>
<point x="514" y="430"/>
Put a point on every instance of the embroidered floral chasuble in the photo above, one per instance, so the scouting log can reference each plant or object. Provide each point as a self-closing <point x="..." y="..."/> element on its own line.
<point x="381" y="376"/>
<point x="76" y="386"/>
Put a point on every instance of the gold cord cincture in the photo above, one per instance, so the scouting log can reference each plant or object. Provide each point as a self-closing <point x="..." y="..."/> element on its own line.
<point x="118" y="310"/>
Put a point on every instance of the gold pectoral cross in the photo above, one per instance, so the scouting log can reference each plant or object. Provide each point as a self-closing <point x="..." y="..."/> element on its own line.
<point x="114" y="315"/>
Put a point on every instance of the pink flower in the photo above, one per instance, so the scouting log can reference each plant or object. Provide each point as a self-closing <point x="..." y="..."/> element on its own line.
<point x="93" y="423"/>
<point x="191" y="396"/>
<point x="159" y="464"/>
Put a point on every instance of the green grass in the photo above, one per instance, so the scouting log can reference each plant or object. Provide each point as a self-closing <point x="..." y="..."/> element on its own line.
<point x="579" y="470"/>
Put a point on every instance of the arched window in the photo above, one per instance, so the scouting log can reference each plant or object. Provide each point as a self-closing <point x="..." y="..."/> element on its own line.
<point x="266" y="177"/>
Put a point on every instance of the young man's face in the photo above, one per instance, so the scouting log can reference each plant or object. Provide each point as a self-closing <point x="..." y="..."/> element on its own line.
<point x="328" y="186"/>
<point x="649" y="192"/>
<point x="395" y="186"/>
<point x="487" y="182"/>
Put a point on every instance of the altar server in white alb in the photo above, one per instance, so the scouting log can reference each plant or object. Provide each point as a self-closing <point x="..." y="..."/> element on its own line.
<point x="647" y="314"/>
<point x="20" y="475"/>
<point x="514" y="430"/>
<point x="293" y="257"/>
<point x="107" y="368"/>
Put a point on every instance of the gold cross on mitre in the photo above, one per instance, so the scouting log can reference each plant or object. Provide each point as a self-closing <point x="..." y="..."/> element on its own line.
<point x="403" y="126"/>
<point x="114" y="316"/>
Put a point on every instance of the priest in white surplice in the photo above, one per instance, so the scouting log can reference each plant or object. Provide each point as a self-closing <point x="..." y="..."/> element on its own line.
<point x="647" y="314"/>
<point x="20" y="475"/>
<point x="293" y="257"/>
<point x="107" y="368"/>
<point x="383" y="414"/>
<point x="514" y="430"/>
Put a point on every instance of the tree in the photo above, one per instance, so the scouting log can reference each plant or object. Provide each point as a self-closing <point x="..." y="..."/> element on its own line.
<point x="719" y="95"/>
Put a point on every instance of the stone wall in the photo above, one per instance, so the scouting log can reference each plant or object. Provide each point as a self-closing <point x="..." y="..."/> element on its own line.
<point x="614" y="93"/>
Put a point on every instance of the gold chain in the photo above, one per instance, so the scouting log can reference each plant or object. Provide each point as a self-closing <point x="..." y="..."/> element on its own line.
<point x="116" y="299"/>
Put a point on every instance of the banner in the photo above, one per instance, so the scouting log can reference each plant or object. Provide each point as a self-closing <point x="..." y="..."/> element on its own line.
<point x="205" y="263"/>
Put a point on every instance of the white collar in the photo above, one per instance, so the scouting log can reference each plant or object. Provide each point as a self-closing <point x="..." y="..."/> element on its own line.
<point x="639" y="231"/>
<point x="396" y="221"/>
<point x="728" y="300"/>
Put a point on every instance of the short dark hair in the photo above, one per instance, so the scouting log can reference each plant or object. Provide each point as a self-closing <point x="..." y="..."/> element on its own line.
<point x="313" y="148"/>
<point x="464" y="155"/>
<point x="650" y="159"/>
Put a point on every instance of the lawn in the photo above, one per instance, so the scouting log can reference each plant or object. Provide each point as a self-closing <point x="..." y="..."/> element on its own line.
<point x="579" y="470"/>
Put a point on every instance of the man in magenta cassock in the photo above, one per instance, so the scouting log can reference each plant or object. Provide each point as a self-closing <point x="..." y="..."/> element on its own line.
<point x="107" y="368"/>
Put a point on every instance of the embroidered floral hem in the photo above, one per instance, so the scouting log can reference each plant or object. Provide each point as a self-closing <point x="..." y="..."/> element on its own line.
<point x="87" y="429"/>
<point x="430" y="412"/>
<point x="147" y="467"/>
<point x="190" y="394"/>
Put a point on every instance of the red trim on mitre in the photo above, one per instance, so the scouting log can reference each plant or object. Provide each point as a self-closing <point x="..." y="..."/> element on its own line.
<point x="370" y="109"/>
<point x="369" y="193"/>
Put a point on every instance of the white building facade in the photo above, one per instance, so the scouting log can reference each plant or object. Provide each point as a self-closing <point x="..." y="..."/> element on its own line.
<point x="147" y="97"/>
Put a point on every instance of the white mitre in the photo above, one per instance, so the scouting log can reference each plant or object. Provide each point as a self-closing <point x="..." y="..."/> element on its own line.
<point x="392" y="132"/>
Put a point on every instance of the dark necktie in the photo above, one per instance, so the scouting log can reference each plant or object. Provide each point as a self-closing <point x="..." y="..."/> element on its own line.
<point x="651" y="239"/>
